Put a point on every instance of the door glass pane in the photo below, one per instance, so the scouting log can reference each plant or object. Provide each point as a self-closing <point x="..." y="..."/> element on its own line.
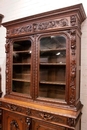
<point x="21" y="80"/>
<point x="52" y="67"/>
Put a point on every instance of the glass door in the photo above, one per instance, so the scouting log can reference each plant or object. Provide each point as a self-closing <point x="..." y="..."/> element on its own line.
<point x="52" y="66"/>
<point x="21" y="77"/>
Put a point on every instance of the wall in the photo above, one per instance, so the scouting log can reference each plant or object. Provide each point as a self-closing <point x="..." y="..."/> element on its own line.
<point x="14" y="9"/>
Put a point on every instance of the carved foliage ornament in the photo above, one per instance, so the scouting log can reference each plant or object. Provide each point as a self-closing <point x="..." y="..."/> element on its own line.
<point x="7" y="50"/>
<point x="14" y="107"/>
<point x="38" y="27"/>
<point x="51" y="24"/>
<point x="72" y="67"/>
<point x="53" y="118"/>
<point x="20" y="30"/>
<point x="14" y="125"/>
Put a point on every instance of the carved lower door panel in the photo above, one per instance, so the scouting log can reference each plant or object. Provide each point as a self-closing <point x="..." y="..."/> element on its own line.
<point x="13" y="121"/>
<point x="40" y="125"/>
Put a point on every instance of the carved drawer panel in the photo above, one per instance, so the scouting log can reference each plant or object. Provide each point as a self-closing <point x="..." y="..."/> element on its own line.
<point x="15" y="108"/>
<point x="40" y="125"/>
<point x="49" y="117"/>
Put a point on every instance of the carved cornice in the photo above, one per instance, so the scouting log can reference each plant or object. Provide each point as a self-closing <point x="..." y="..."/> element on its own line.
<point x="35" y="27"/>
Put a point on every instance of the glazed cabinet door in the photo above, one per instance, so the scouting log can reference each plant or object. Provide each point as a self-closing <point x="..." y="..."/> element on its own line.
<point x="53" y="67"/>
<point x="40" y="125"/>
<point x="13" y="121"/>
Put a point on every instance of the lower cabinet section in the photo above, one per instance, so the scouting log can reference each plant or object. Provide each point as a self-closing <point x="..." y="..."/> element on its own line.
<point x="15" y="116"/>
<point x="17" y="121"/>
<point x="13" y="121"/>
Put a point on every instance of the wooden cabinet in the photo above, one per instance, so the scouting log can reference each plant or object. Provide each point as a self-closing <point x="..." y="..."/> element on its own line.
<point x="43" y="71"/>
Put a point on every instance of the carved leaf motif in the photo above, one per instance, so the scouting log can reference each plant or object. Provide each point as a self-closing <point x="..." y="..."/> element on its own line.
<point x="38" y="26"/>
<point x="50" y="24"/>
<point x="14" y="107"/>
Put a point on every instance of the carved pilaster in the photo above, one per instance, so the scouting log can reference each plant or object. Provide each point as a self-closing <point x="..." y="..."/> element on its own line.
<point x="8" y="60"/>
<point x="72" y="68"/>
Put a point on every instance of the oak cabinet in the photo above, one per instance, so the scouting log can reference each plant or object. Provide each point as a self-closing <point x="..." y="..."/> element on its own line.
<point x="43" y="71"/>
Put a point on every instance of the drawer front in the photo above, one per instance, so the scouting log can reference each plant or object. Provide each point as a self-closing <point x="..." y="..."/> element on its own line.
<point x="49" y="117"/>
<point x="40" y="125"/>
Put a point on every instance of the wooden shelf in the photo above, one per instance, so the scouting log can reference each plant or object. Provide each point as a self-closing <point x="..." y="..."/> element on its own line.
<point x="27" y="51"/>
<point x="21" y="80"/>
<point x="21" y="63"/>
<point x="52" y="63"/>
<point x="53" y="83"/>
<point x="52" y="50"/>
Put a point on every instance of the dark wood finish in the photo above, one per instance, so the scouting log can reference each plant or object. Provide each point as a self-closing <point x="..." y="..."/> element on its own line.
<point x="43" y="71"/>
<point x="1" y="16"/>
<point x="0" y="83"/>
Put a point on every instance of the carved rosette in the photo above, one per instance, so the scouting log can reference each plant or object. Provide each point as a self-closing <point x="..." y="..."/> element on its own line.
<point x="14" y="125"/>
<point x="7" y="50"/>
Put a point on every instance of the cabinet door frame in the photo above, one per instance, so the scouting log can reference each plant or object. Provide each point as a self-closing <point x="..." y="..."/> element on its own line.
<point x="67" y="36"/>
<point x="9" y="61"/>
